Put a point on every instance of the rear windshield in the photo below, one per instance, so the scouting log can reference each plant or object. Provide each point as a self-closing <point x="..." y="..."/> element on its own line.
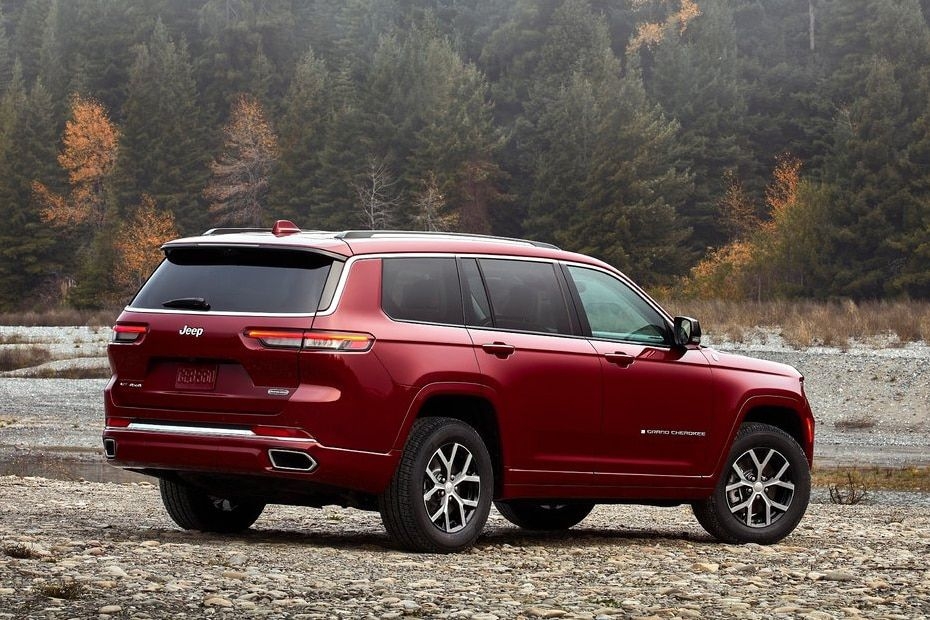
<point x="236" y="279"/>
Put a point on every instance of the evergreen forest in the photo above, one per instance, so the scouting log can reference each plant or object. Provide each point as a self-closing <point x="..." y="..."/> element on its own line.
<point x="740" y="149"/>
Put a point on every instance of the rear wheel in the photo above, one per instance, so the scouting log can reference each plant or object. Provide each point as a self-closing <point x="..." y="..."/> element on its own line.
<point x="544" y="516"/>
<point x="194" y="509"/>
<point x="763" y="491"/>
<point x="440" y="496"/>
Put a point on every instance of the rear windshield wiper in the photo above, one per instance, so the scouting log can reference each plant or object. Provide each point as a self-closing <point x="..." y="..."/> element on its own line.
<point x="187" y="303"/>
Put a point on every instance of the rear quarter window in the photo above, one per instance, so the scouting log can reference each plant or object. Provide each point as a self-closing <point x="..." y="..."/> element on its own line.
<point x="236" y="279"/>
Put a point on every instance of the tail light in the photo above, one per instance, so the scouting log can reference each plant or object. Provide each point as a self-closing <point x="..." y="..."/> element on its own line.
<point x="282" y="432"/>
<point x="128" y="333"/>
<point x="311" y="340"/>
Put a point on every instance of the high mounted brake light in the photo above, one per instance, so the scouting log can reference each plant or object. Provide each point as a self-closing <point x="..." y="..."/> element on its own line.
<point x="128" y="333"/>
<point x="312" y="340"/>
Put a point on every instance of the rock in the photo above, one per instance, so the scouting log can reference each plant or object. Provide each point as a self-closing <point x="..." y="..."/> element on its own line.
<point x="110" y="609"/>
<point x="705" y="567"/>
<point x="116" y="571"/>
<point x="217" y="601"/>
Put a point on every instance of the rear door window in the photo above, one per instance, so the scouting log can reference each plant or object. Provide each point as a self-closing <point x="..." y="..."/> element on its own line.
<point x="526" y="296"/>
<point x="238" y="279"/>
<point x="424" y="290"/>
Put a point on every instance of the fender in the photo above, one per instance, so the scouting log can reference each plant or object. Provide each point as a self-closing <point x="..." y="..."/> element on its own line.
<point x="783" y="402"/>
<point x="441" y="388"/>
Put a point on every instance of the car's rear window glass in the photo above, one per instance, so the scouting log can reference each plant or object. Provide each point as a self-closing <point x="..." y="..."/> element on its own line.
<point x="425" y="290"/>
<point x="237" y="279"/>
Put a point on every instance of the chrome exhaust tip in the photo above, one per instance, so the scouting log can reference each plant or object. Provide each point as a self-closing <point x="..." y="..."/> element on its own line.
<point x="109" y="448"/>
<point x="291" y="460"/>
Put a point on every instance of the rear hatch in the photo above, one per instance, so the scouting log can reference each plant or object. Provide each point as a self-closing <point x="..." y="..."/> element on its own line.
<point x="217" y="329"/>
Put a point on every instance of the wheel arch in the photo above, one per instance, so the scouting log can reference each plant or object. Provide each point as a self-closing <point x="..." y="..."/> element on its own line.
<point x="472" y="404"/>
<point x="787" y="414"/>
<point x="784" y="418"/>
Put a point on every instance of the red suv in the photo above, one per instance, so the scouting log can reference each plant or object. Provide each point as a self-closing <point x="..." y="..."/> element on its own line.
<point x="428" y="375"/>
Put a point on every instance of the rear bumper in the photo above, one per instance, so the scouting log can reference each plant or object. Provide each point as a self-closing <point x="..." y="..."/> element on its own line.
<point x="170" y="450"/>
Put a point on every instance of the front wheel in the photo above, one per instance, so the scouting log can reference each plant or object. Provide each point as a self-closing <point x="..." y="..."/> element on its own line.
<point x="193" y="509"/>
<point x="544" y="516"/>
<point x="440" y="496"/>
<point x="763" y="490"/>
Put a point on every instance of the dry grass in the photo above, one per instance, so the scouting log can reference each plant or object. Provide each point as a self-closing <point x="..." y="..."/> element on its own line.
<point x="850" y="492"/>
<point x="855" y="423"/>
<point x="19" y="551"/>
<point x="23" y="357"/>
<point x="60" y="318"/>
<point x="807" y="323"/>
<point x="72" y="373"/>
<point x="888" y="478"/>
<point x="68" y="590"/>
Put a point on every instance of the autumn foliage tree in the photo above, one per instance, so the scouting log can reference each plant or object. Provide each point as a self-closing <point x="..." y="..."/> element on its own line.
<point x="90" y="143"/>
<point x="137" y="246"/>
<point x="777" y="256"/>
<point x="240" y="176"/>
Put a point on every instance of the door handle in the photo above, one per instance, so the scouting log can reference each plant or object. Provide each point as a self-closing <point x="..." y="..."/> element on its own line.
<point x="620" y="359"/>
<point x="499" y="349"/>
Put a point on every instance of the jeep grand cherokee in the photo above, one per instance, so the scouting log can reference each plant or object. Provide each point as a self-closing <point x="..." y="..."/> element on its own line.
<point x="428" y="376"/>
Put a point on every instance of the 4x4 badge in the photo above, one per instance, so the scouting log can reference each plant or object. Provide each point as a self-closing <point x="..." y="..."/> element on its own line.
<point x="196" y="332"/>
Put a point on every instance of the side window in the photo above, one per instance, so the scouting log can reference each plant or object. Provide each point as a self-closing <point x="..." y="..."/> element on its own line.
<point x="615" y="311"/>
<point x="425" y="290"/>
<point x="525" y="296"/>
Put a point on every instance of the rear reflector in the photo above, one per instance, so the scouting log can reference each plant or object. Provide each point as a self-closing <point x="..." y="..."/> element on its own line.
<point x="282" y="432"/>
<point x="312" y="340"/>
<point x="128" y="333"/>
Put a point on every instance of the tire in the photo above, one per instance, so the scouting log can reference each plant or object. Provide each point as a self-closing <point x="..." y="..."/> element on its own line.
<point x="763" y="490"/>
<point x="440" y="496"/>
<point x="544" y="516"/>
<point x="193" y="509"/>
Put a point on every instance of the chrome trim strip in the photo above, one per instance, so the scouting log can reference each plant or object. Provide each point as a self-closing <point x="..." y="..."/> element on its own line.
<point x="212" y="431"/>
<point x="218" y="313"/>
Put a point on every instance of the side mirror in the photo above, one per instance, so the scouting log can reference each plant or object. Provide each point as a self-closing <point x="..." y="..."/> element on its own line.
<point x="687" y="331"/>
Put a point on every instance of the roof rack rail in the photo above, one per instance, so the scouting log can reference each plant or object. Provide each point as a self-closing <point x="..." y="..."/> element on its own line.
<point x="231" y="231"/>
<point x="371" y="234"/>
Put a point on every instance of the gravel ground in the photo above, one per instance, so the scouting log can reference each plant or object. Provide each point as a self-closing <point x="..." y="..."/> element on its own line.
<point x="116" y="554"/>
<point x="76" y="549"/>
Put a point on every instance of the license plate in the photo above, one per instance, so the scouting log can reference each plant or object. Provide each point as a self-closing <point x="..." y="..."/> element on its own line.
<point x="195" y="377"/>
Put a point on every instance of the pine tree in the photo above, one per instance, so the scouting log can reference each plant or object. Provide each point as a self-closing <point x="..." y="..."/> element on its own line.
<point x="308" y="112"/>
<point x="695" y="77"/>
<point x="164" y="151"/>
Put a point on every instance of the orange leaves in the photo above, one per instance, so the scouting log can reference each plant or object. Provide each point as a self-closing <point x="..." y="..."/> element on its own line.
<point x="761" y="260"/>
<point x="721" y="275"/>
<point x="90" y="143"/>
<point x="139" y="240"/>
<point x="240" y="176"/>
<point x="737" y="209"/>
<point x="649" y="34"/>
<point x="782" y="193"/>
